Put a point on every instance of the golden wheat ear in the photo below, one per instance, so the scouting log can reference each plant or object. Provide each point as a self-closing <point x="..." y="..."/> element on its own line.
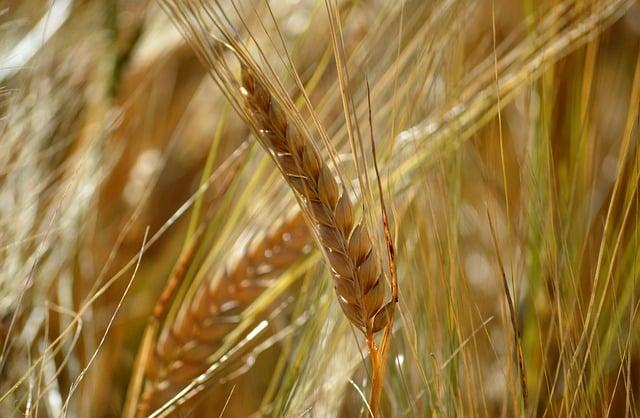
<point x="348" y="249"/>
<point x="183" y="348"/>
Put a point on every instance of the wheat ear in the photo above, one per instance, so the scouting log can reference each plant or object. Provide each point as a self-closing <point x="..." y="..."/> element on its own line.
<point x="347" y="246"/>
<point x="182" y="349"/>
<point x="355" y="266"/>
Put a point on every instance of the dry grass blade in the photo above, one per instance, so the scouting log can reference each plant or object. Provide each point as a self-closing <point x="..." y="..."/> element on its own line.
<point x="512" y="317"/>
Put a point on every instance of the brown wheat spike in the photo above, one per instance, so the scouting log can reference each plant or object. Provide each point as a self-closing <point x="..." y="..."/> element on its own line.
<point x="348" y="249"/>
<point x="200" y="326"/>
<point x="355" y="266"/>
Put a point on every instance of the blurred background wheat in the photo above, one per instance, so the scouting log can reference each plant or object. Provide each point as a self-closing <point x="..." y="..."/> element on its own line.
<point x="154" y="262"/>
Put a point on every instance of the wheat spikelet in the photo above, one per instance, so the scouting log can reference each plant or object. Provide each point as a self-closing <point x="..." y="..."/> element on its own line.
<point x="201" y="324"/>
<point x="355" y="266"/>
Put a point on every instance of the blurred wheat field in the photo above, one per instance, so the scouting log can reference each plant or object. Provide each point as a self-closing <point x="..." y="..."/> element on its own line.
<point x="191" y="208"/>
